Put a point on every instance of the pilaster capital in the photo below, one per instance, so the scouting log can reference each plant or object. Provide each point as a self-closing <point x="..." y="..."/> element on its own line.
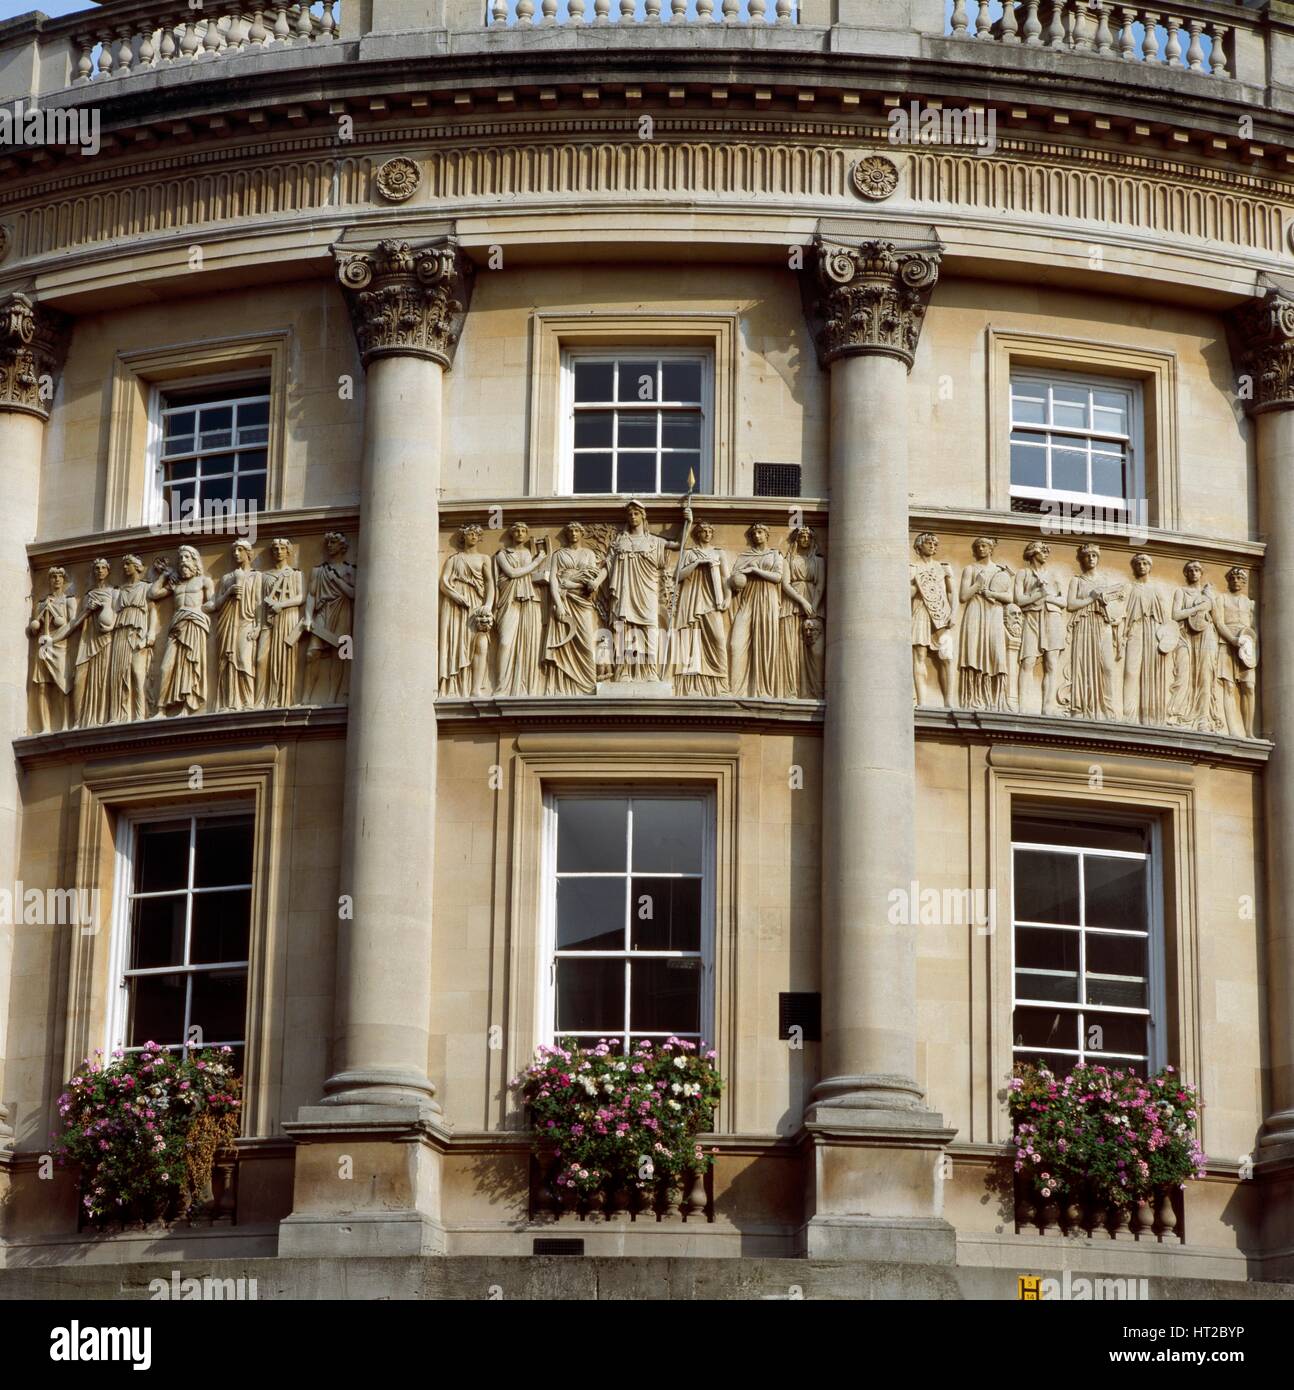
<point x="408" y="301"/>
<point x="1262" y="337"/>
<point x="33" y="345"/>
<point x="868" y="298"/>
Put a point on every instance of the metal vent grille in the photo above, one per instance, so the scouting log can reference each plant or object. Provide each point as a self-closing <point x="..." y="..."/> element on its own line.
<point x="557" y="1245"/>
<point x="803" y="1011"/>
<point x="1032" y="505"/>
<point x="777" y="479"/>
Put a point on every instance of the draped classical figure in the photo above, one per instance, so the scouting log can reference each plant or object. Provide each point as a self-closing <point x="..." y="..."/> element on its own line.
<point x="802" y="589"/>
<point x="518" y="613"/>
<point x="282" y="601"/>
<point x="1096" y="603"/>
<point x="183" y="686"/>
<point x="329" y="618"/>
<point x="635" y="567"/>
<point x="1040" y="597"/>
<point x="934" y="607"/>
<point x="758" y="574"/>
<point x="466" y="617"/>
<point x="133" y="636"/>
<point x="91" y="693"/>
<point x="1195" y="701"/>
<point x="575" y="573"/>
<point x="701" y="622"/>
<point x="1148" y="646"/>
<point x="986" y="589"/>
<point x="237" y="606"/>
<point x="52" y="673"/>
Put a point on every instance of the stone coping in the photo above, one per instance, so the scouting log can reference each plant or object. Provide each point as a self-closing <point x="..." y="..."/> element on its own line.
<point x="982" y="726"/>
<point x="695" y="711"/>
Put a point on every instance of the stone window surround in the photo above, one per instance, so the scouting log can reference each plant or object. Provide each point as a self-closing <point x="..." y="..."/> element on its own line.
<point x="542" y="763"/>
<point x="555" y="331"/>
<point x="1164" y="795"/>
<point x="130" y="492"/>
<point x="1011" y="349"/>
<point x="233" y="780"/>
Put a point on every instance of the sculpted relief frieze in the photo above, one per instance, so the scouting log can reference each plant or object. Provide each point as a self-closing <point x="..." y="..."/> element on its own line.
<point x="205" y="630"/>
<point x="1070" y="631"/>
<point x="616" y="609"/>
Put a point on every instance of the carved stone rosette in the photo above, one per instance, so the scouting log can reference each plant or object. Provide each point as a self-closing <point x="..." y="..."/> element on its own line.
<point x="33" y="344"/>
<point x="1263" y="338"/>
<point x="407" y="301"/>
<point x="869" y="298"/>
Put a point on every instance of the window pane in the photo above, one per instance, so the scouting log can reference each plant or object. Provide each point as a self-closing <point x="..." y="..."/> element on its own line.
<point x="665" y="915"/>
<point x="1069" y="470"/>
<point x="221" y="923"/>
<point x="220" y="1005"/>
<point x="637" y="381"/>
<point x="665" y="995"/>
<point x="162" y="858"/>
<point x="1046" y="887"/>
<point x="253" y="434"/>
<point x="592" y="835"/>
<point x="157" y="932"/>
<point x="593" y="429"/>
<point x="1112" y="409"/>
<point x="592" y="473"/>
<point x="1082" y="835"/>
<point x="681" y="431"/>
<point x="219" y="489"/>
<point x="636" y="473"/>
<point x="1062" y="988"/>
<point x="251" y="460"/>
<point x="251" y="490"/>
<point x="253" y="413"/>
<point x="1045" y="1028"/>
<point x="1107" y="475"/>
<point x="1028" y="465"/>
<point x="1116" y="892"/>
<point x="668" y="835"/>
<point x="590" y="914"/>
<point x="1026" y="407"/>
<point x="636" y="431"/>
<point x="180" y="498"/>
<point x="1058" y="1063"/>
<point x="1122" y="994"/>
<point x="593" y="381"/>
<point x="156" y="1009"/>
<point x="177" y="444"/>
<point x="182" y="469"/>
<point x="1036" y="948"/>
<point x="675" y="470"/>
<point x="590" y="995"/>
<point x="1116" y="955"/>
<point x="1124" y="1033"/>
<point x="224" y="853"/>
<point x="1069" y="406"/>
<point x="681" y="381"/>
<point x="182" y="422"/>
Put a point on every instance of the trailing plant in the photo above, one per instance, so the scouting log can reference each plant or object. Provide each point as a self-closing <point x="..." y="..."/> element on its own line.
<point x="621" y="1119"/>
<point x="1109" y="1136"/>
<point x="145" y="1128"/>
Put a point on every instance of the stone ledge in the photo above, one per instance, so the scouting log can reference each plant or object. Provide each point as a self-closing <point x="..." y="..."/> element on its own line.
<point x="230" y="726"/>
<point x="1135" y="739"/>
<point x="722" y="711"/>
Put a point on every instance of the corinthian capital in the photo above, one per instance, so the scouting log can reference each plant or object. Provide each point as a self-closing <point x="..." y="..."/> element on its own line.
<point x="405" y="300"/>
<point x="868" y="298"/>
<point x="33" y="344"/>
<point x="1262" y="335"/>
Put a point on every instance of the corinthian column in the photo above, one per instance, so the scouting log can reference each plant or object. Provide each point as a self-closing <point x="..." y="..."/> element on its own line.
<point x="1264" y="338"/>
<point x="876" y="1192"/>
<point x="33" y="341"/>
<point x="407" y="306"/>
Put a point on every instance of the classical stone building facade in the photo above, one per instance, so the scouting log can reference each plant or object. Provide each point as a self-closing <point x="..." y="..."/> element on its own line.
<point x="822" y="468"/>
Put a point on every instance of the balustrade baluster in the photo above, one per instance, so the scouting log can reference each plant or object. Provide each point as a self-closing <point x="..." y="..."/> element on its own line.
<point x="125" y="50"/>
<point x="303" y="29"/>
<point x="105" y="53"/>
<point x="1219" y="33"/>
<point x="1080" y="34"/>
<point x="696" y="1194"/>
<point x="166" y="48"/>
<point x="1173" y="46"/>
<point x="1054" y="34"/>
<point x="85" y="60"/>
<point x="705" y="11"/>
<point x="730" y="11"/>
<point x="1195" y="51"/>
<point x="189" y="40"/>
<point x="499" y="14"/>
<point x="549" y="8"/>
<point x="211" y="40"/>
<point x="983" y="21"/>
<point x="256" y="35"/>
<point x="627" y="8"/>
<point x="678" y="12"/>
<point x="1104" y="39"/>
<point x="1167" y="1217"/>
<point x="525" y="13"/>
<point x="147" y="49"/>
<point x="1143" y="1221"/>
<point x="601" y="11"/>
<point x="1010" y="24"/>
<point x="1127" y="16"/>
<point x="1032" y="26"/>
<point x="1150" y="41"/>
<point x="329" y="29"/>
<point x="757" y="11"/>
<point x="575" y="11"/>
<point x="281" y="30"/>
<point x="783" y="11"/>
<point x="960" y="22"/>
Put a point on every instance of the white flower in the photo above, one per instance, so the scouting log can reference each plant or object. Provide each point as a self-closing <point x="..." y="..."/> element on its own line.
<point x="675" y="1087"/>
<point x="680" y="1061"/>
<point x="674" y="1105"/>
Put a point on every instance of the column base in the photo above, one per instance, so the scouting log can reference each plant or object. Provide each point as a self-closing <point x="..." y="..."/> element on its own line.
<point x="1278" y="1133"/>
<point x="385" y="1086"/>
<point x="875" y="1183"/>
<point x="367" y="1181"/>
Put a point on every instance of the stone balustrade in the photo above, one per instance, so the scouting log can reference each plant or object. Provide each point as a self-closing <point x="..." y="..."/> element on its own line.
<point x="689" y="1201"/>
<point x="1160" y="1220"/>
<point x="525" y="14"/>
<point x="120" y="40"/>
<point x="1193" y="37"/>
